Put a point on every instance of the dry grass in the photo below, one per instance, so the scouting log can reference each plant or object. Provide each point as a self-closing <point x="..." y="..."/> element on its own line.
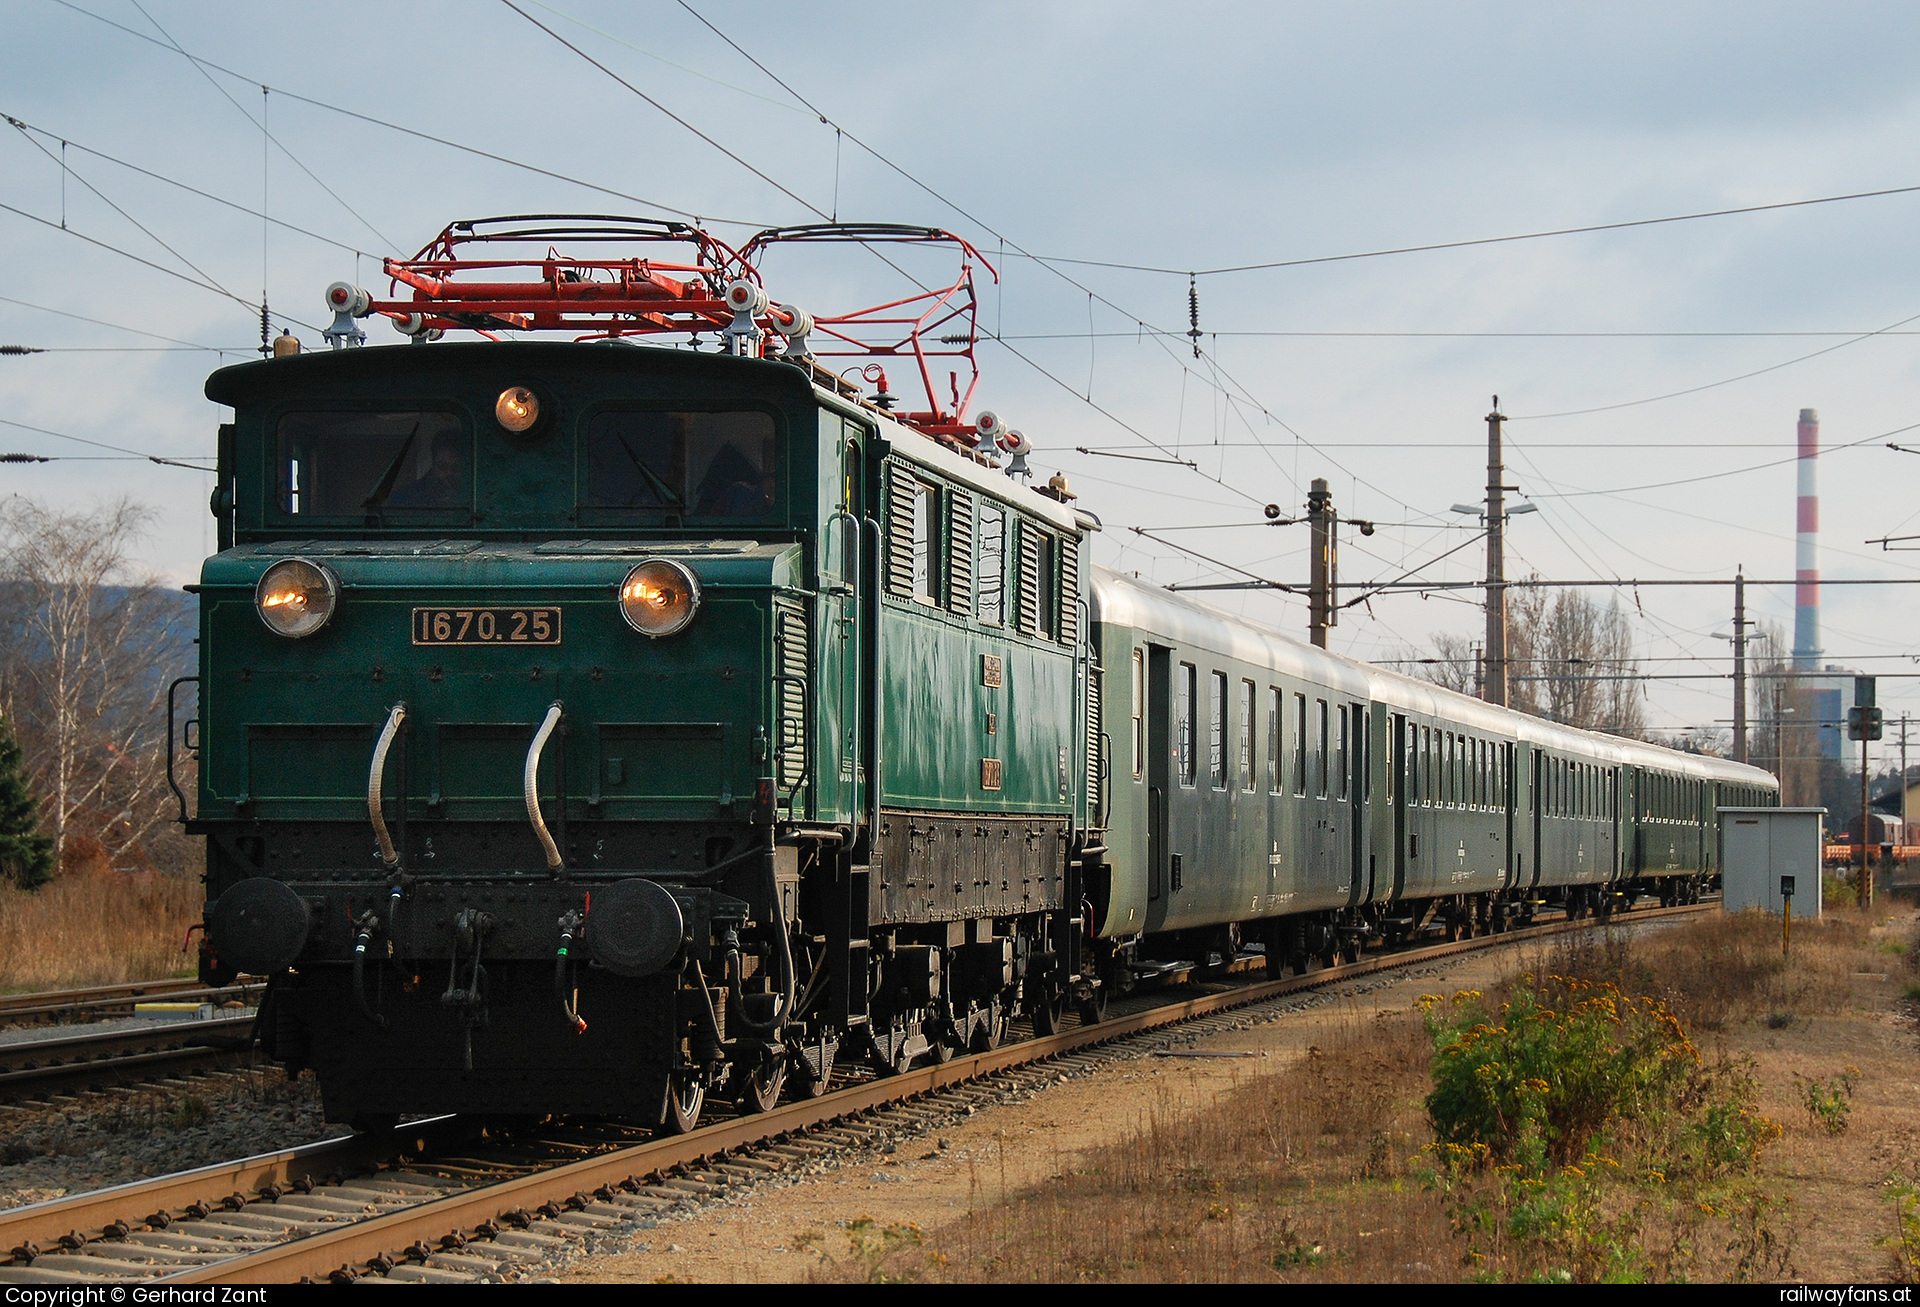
<point x="1321" y="1172"/>
<point x="1299" y="1175"/>
<point x="97" y="928"/>
<point x="1724" y="970"/>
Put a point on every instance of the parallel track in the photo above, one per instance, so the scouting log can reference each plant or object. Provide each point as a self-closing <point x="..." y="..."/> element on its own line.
<point x="60" y="1005"/>
<point x="415" y="1208"/>
<point x="94" y="1061"/>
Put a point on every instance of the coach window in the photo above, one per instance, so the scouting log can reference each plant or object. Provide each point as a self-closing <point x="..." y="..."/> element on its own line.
<point x="1273" y="739"/>
<point x="1322" y="731"/>
<point x="1247" y="728"/>
<point x="990" y="584"/>
<point x="1217" y="730"/>
<point x="1187" y="688"/>
<point x="1299" y="744"/>
<point x="1410" y="778"/>
<point x="1139" y="709"/>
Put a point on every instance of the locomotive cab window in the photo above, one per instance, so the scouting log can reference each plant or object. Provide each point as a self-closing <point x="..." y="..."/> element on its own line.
<point x="653" y="465"/>
<point x="414" y="466"/>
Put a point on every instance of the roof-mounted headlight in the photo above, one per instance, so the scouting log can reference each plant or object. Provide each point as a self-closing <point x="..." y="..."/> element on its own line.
<point x="517" y="409"/>
<point x="659" y="597"/>
<point x="295" y="598"/>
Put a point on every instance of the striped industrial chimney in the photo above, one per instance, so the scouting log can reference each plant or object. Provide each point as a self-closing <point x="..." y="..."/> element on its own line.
<point x="1806" y="591"/>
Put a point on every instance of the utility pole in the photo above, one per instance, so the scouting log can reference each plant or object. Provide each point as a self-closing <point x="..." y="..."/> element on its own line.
<point x="1905" y="841"/>
<point x="1740" y="665"/>
<point x="1865" y="892"/>
<point x="1494" y="689"/>
<point x="1324" y="567"/>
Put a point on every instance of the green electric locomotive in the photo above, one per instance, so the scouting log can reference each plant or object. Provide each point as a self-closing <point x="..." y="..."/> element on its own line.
<point x="594" y="725"/>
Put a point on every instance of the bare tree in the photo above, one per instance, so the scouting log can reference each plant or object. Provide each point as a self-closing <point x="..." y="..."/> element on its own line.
<point x="1784" y="737"/>
<point x="85" y="649"/>
<point x="1569" y="660"/>
<point x="1455" y="665"/>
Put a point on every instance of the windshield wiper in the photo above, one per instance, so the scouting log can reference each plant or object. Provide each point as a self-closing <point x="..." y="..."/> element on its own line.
<point x="374" y="502"/>
<point x="665" y="492"/>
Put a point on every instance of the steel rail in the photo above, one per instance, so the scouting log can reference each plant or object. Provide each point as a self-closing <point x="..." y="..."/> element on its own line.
<point x="15" y="1008"/>
<point x="80" y="1218"/>
<point x="318" y="1255"/>
<point x="38" y="1066"/>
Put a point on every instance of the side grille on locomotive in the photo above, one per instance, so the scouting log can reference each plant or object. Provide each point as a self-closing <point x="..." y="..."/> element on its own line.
<point x="902" y="486"/>
<point x="791" y="675"/>
<point x="960" y="552"/>
<point x="1069" y="590"/>
<point x="1028" y="616"/>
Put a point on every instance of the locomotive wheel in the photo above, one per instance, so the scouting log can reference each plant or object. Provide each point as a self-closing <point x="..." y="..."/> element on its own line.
<point x="686" y="1096"/>
<point x="760" y="1087"/>
<point x="1049" y="1008"/>
<point x="1094" y="1010"/>
<point x="896" y="1063"/>
<point x="989" y="1034"/>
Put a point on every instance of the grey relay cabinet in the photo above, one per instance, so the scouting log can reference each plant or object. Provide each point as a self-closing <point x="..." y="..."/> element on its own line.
<point x="1761" y="846"/>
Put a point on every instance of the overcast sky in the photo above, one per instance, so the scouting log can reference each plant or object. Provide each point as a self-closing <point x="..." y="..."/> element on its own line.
<point x="1188" y="137"/>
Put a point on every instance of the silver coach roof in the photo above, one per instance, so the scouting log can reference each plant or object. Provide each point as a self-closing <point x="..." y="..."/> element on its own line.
<point x="1125" y="601"/>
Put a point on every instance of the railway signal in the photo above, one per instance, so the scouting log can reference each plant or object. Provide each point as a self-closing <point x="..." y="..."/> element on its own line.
<point x="1864" y="723"/>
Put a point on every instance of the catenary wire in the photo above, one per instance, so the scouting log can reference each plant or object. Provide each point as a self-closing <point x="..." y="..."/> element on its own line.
<point x="260" y="125"/>
<point x="752" y="223"/>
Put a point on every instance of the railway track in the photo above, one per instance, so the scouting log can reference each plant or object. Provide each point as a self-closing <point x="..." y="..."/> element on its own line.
<point x="67" y="1005"/>
<point x="441" y="1200"/>
<point x="99" y="1060"/>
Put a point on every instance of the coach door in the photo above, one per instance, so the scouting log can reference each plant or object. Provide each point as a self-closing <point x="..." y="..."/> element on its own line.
<point x="841" y="648"/>
<point x="1159" y="764"/>
<point x="1510" y="872"/>
<point x="1398" y="776"/>
<point x="1358" y="737"/>
<point x="1535" y="776"/>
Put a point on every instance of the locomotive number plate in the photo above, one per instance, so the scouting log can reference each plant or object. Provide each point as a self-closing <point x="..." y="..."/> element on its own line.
<point x="486" y="626"/>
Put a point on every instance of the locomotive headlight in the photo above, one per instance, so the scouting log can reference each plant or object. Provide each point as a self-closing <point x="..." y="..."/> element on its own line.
<point x="295" y="598"/>
<point x="517" y="409"/>
<point x="659" y="597"/>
